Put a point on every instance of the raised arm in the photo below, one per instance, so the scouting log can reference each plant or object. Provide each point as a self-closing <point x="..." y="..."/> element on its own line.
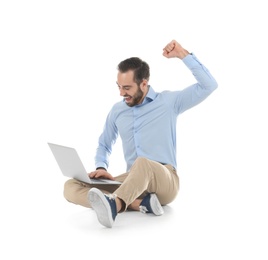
<point x="205" y="82"/>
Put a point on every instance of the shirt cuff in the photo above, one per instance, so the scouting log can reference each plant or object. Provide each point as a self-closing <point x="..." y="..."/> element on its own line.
<point x="101" y="168"/>
<point x="191" y="61"/>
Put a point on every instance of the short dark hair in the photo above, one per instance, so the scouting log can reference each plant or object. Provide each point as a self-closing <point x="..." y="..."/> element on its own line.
<point x="140" y="68"/>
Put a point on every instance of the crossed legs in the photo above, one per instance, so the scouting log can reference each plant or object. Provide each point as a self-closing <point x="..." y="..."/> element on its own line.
<point x="145" y="176"/>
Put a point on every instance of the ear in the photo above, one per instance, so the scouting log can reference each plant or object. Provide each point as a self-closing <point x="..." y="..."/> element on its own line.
<point x="144" y="84"/>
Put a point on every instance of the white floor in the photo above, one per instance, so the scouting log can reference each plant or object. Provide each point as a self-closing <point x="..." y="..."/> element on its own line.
<point x="42" y="225"/>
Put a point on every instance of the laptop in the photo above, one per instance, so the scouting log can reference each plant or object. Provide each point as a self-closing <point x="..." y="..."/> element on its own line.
<point x="72" y="167"/>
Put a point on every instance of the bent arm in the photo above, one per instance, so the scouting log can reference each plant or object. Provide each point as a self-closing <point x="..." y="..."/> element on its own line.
<point x="196" y="93"/>
<point x="105" y="143"/>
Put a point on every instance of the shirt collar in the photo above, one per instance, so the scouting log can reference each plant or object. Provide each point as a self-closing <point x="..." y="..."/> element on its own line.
<point x="151" y="95"/>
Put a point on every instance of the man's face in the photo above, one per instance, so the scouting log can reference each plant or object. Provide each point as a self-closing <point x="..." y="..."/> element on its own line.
<point x="129" y="89"/>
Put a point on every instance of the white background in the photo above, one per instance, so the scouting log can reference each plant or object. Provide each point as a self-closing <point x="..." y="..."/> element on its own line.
<point x="57" y="76"/>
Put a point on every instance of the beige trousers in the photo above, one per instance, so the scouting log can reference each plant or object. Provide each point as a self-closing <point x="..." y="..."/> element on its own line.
<point x="145" y="176"/>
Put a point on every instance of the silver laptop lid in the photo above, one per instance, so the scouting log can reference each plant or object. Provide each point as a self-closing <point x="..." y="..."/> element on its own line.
<point x="71" y="165"/>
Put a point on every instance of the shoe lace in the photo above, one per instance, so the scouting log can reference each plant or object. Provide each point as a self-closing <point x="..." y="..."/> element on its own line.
<point x="110" y="196"/>
<point x="143" y="209"/>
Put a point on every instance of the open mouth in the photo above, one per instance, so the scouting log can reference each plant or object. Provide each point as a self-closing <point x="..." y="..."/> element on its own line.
<point x="127" y="99"/>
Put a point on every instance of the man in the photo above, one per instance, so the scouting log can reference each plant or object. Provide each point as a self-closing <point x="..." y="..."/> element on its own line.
<point x="146" y="122"/>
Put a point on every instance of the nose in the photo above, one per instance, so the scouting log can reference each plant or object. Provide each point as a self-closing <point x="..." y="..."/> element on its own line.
<point x="122" y="92"/>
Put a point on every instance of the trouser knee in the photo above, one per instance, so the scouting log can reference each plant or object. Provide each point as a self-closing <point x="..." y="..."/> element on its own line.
<point x="68" y="189"/>
<point x="141" y="162"/>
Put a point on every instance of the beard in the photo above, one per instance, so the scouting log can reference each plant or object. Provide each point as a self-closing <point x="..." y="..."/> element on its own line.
<point x="136" y="99"/>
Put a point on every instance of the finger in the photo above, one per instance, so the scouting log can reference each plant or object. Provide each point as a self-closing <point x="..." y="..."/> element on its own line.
<point x="100" y="174"/>
<point x="165" y="53"/>
<point x="92" y="174"/>
<point x="97" y="175"/>
<point x="170" y="47"/>
<point x="110" y="177"/>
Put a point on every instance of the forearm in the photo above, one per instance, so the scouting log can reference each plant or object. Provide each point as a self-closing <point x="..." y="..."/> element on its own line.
<point x="200" y="72"/>
<point x="102" y="157"/>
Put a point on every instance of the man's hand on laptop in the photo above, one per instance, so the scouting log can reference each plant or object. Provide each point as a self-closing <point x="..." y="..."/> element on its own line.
<point x="100" y="174"/>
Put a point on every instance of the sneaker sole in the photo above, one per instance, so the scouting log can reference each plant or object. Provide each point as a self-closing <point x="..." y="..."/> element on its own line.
<point x="102" y="207"/>
<point x="156" y="206"/>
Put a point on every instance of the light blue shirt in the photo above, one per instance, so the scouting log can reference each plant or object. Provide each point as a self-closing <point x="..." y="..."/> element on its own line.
<point x="149" y="129"/>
